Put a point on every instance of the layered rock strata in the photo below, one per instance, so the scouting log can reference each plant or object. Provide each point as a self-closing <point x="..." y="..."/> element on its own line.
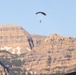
<point x="55" y="54"/>
<point x="15" y="39"/>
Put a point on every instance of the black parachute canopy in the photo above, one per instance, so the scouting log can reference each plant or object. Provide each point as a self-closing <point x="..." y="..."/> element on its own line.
<point x="41" y="13"/>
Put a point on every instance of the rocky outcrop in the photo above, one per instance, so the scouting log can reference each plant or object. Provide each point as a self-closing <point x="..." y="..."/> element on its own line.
<point x="15" y="39"/>
<point x="37" y="39"/>
<point x="55" y="54"/>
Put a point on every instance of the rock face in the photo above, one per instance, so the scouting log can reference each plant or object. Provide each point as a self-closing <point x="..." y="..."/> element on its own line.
<point x="37" y="39"/>
<point x="15" y="39"/>
<point x="55" y="54"/>
<point x="52" y="54"/>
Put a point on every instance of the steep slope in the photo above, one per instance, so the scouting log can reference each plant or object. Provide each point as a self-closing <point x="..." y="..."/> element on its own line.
<point x="15" y="39"/>
<point x="13" y="63"/>
<point x="55" y="54"/>
<point x="39" y="54"/>
<point x="37" y="39"/>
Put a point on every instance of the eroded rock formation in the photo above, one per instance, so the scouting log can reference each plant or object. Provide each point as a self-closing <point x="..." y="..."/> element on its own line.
<point x="15" y="39"/>
<point x="55" y="54"/>
<point x="52" y="54"/>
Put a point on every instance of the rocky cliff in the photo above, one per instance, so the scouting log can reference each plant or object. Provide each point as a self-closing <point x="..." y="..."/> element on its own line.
<point x="15" y="39"/>
<point x="38" y="54"/>
<point x="55" y="54"/>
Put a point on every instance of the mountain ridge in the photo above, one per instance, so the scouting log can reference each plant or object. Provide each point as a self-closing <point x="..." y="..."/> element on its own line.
<point x="40" y="54"/>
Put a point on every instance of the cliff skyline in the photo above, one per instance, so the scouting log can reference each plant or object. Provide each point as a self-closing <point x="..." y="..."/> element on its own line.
<point x="53" y="54"/>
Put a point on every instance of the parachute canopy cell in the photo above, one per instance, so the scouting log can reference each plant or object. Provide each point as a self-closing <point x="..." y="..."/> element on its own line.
<point x="41" y="13"/>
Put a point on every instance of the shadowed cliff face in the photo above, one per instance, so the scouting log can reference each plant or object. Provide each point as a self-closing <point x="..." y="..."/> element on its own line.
<point x="3" y="69"/>
<point x="15" y="39"/>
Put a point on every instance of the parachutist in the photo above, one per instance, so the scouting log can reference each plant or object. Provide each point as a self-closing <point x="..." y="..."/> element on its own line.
<point x="43" y="13"/>
<point x="40" y="21"/>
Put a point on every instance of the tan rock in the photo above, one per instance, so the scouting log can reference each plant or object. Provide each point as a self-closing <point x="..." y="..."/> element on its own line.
<point x="14" y="39"/>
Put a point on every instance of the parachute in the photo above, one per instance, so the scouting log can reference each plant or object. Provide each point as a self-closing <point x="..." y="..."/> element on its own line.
<point x="41" y="13"/>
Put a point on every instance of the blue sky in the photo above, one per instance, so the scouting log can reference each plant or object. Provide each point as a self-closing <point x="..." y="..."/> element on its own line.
<point x="60" y="19"/>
